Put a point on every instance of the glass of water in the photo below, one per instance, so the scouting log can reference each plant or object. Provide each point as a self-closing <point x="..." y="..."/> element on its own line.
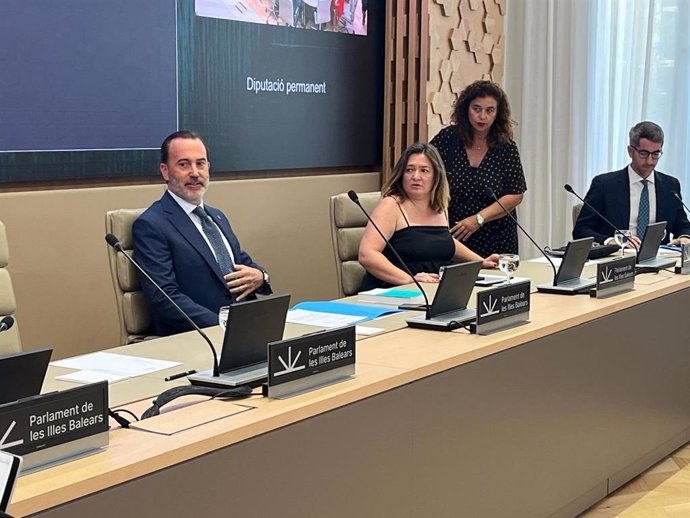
<point x="622" y="238"/>
<point x="508" y="264"/>
<point x="223" y="316"/>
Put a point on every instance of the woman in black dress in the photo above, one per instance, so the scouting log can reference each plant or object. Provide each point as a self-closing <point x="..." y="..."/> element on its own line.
<point x="479" y="154"/>
<point x="412" y="216"/>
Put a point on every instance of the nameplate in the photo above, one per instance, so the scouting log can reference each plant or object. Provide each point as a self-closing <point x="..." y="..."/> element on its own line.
<point x="53" y="427"/>
<point x="503" y="307"/>
<point x="684" y="268"/>
<point x="614" y="277"/>
<point x="300" y="364"/>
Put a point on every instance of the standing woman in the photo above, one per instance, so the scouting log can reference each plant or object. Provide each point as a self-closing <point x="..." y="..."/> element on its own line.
<point x="478" y="152"/>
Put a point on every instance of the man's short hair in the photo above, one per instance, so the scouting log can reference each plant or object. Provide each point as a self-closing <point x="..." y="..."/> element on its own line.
<point x="165" y="146"/>
<point x="648" y="130"/>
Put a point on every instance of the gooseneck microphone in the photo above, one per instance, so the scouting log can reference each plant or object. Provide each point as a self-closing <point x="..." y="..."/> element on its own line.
<point x="681" y="201"/>
<point x="491" y="193"/>
<point x="6" y="323"/>
<point x="568" y="188"/>
<point x="115" y="243"/>
<point x="353" y="196"/>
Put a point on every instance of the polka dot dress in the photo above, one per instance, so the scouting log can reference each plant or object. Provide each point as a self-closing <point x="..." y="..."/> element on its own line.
<point x="501" y="170"/>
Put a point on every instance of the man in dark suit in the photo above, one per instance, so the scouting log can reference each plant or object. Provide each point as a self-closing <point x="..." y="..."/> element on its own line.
<point x="636" y="195"/>
<point x="188" y="247"/>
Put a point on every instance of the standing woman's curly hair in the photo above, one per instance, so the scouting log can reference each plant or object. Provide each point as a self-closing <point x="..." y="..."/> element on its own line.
<point x="501" y="131"/>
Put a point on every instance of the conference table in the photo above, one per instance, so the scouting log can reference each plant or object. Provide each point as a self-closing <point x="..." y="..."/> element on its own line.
<point x="542" y="419"/>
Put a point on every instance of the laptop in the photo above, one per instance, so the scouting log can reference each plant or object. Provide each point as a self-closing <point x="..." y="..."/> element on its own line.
<point x="596" y="252"/>
<point x="568" y="280"/>
<point x="251" y="326"/>
<point x="22" y="374"/>
<point x="647" y="255"/>
<point x="10" y="466"/>
<point x="449" y="309"/>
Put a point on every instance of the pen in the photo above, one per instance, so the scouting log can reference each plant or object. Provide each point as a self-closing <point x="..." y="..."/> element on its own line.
<point x="180" y="375"/>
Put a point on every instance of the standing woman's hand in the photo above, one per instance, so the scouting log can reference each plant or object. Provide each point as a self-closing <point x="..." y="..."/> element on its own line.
<point x="463" y="229"/>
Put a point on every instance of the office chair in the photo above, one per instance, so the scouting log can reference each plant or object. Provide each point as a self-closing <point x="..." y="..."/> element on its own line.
<point x="9" y="340"/>
<point x="347" y="229"/>
<point x="576" y="212"/>
<point x="132" y="310"/>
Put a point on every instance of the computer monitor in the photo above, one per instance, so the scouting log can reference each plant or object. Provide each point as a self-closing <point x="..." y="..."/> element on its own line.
<point x="10" y="466"/>
<point x="22" y="374"/>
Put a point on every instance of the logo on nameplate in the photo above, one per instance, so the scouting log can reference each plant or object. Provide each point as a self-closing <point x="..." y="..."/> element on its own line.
<point x="304" y="362"/>
<point x="615" y="276"/>
<point x="502" y="307"/>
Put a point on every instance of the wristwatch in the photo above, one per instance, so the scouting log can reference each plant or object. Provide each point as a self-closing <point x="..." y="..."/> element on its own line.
<point x="480" y="219"/>
<point x="267" y="278"/>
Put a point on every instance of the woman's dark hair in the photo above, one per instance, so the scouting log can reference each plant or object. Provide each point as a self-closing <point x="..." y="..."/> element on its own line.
<point x="440" y="192"/>
<point x="501" y="131"/>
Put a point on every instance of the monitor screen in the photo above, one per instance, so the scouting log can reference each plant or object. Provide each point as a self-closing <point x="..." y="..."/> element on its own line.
<point x="269" y="84"/>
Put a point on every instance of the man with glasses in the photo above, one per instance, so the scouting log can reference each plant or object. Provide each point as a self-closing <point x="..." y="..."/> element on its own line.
<point x="635" y="196"/>
<point x="188" y="247"/>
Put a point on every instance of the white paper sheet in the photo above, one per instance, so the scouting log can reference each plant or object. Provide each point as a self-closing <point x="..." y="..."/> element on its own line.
<point x="91" y="377"/>
<point x="116" y="364"/>
<point x="556" y="260"/>
<point x="368" y="331"/>
<point x="319" y="319"/>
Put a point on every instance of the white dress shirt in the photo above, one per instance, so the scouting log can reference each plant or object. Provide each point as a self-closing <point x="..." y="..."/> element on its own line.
<point x="188" y="208"/>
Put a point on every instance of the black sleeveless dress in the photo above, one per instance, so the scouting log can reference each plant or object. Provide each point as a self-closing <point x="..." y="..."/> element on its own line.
<point x="423" y="248"/>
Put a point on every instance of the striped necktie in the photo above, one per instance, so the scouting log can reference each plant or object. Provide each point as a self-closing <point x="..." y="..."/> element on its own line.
<point x="643" y="213"/>
<point x="213" y="234"/>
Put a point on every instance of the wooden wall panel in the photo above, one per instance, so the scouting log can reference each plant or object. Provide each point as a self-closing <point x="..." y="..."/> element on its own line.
<point x="467" y="42"/>
<point x="407" y="48"/>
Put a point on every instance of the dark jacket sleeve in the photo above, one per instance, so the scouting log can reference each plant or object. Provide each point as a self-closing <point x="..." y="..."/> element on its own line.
<point x="152" y="251"/>
<point x="589" y="223"/>
<point x="680" y="225"/>
<point x="242" y="257"/>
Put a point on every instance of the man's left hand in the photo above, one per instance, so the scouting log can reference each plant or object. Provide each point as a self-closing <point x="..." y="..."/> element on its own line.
<point x="682" y="240"/>
<point x="244" y="281"/>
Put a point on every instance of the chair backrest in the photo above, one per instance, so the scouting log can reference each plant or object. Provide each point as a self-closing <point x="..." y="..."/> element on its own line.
<point x="132" y="310"/>
<point x="347" y="229"/>
<point x="9" y="340"/>
<point x="576" y="212"/>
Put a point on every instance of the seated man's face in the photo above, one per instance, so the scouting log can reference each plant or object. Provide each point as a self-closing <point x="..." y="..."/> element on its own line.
<point x="644" y="166"/>
<point x="187" y="169"/>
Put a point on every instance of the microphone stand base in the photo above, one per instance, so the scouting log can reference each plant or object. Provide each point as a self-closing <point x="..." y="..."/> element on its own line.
<point x="571" y="288"/>
<point x="226" y="380"/>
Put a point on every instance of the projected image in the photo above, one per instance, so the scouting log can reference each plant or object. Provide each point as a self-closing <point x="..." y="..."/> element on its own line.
<point x="344" y="16"/>
<point x="270" y="84"/>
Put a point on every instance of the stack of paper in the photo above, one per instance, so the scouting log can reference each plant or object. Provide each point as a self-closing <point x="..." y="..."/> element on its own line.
<point x="392" y="296"/>
<point x="333" y="314"/>
<point x="102" y="366"/>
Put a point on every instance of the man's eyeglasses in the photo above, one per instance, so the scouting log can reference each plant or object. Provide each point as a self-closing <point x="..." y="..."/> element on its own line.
<point x="656" y="155"/>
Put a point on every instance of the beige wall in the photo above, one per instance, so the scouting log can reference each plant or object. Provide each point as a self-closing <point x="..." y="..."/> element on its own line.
<point x="59" y="264"/>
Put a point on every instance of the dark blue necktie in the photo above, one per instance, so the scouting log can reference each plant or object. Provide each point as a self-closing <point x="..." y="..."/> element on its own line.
<point x="643" y="213"/>
<point x="213" y="234"/>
